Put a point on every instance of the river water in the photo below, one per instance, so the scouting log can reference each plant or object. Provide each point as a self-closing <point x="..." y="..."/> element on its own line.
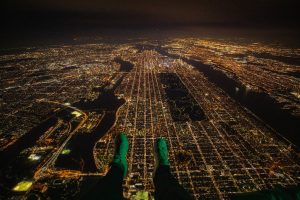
<point x="261" y="104"/>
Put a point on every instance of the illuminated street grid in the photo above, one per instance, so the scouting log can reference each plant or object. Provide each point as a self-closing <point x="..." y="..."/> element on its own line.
<point x="271" y="69"/>
<point x="230" y="151"/>
<point x="242" y="158"/>
<point x="31" y="80"/>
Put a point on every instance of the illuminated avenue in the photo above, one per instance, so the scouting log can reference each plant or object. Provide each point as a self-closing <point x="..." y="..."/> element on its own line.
<point x="62" y="107"/>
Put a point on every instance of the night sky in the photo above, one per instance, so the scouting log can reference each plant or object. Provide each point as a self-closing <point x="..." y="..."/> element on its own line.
<point x="152" y="12"/>
<point x="25" y="22"/>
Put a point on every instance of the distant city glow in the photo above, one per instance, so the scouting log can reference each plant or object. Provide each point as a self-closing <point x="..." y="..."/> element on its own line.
<point x="209" y="99"/>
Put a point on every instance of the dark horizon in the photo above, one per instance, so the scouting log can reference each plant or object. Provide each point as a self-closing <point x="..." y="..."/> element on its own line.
<point x="132" y="13"/>
<point x="25" y="22"/>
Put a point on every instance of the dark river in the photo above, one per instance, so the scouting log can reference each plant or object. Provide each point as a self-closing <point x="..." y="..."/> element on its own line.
<point x="26" y="141"/>
<point x="261" y="104"/>
<point x="82" y="144"/>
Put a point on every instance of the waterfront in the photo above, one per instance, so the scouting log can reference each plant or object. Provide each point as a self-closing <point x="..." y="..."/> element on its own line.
<point x="225" y="120"/>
